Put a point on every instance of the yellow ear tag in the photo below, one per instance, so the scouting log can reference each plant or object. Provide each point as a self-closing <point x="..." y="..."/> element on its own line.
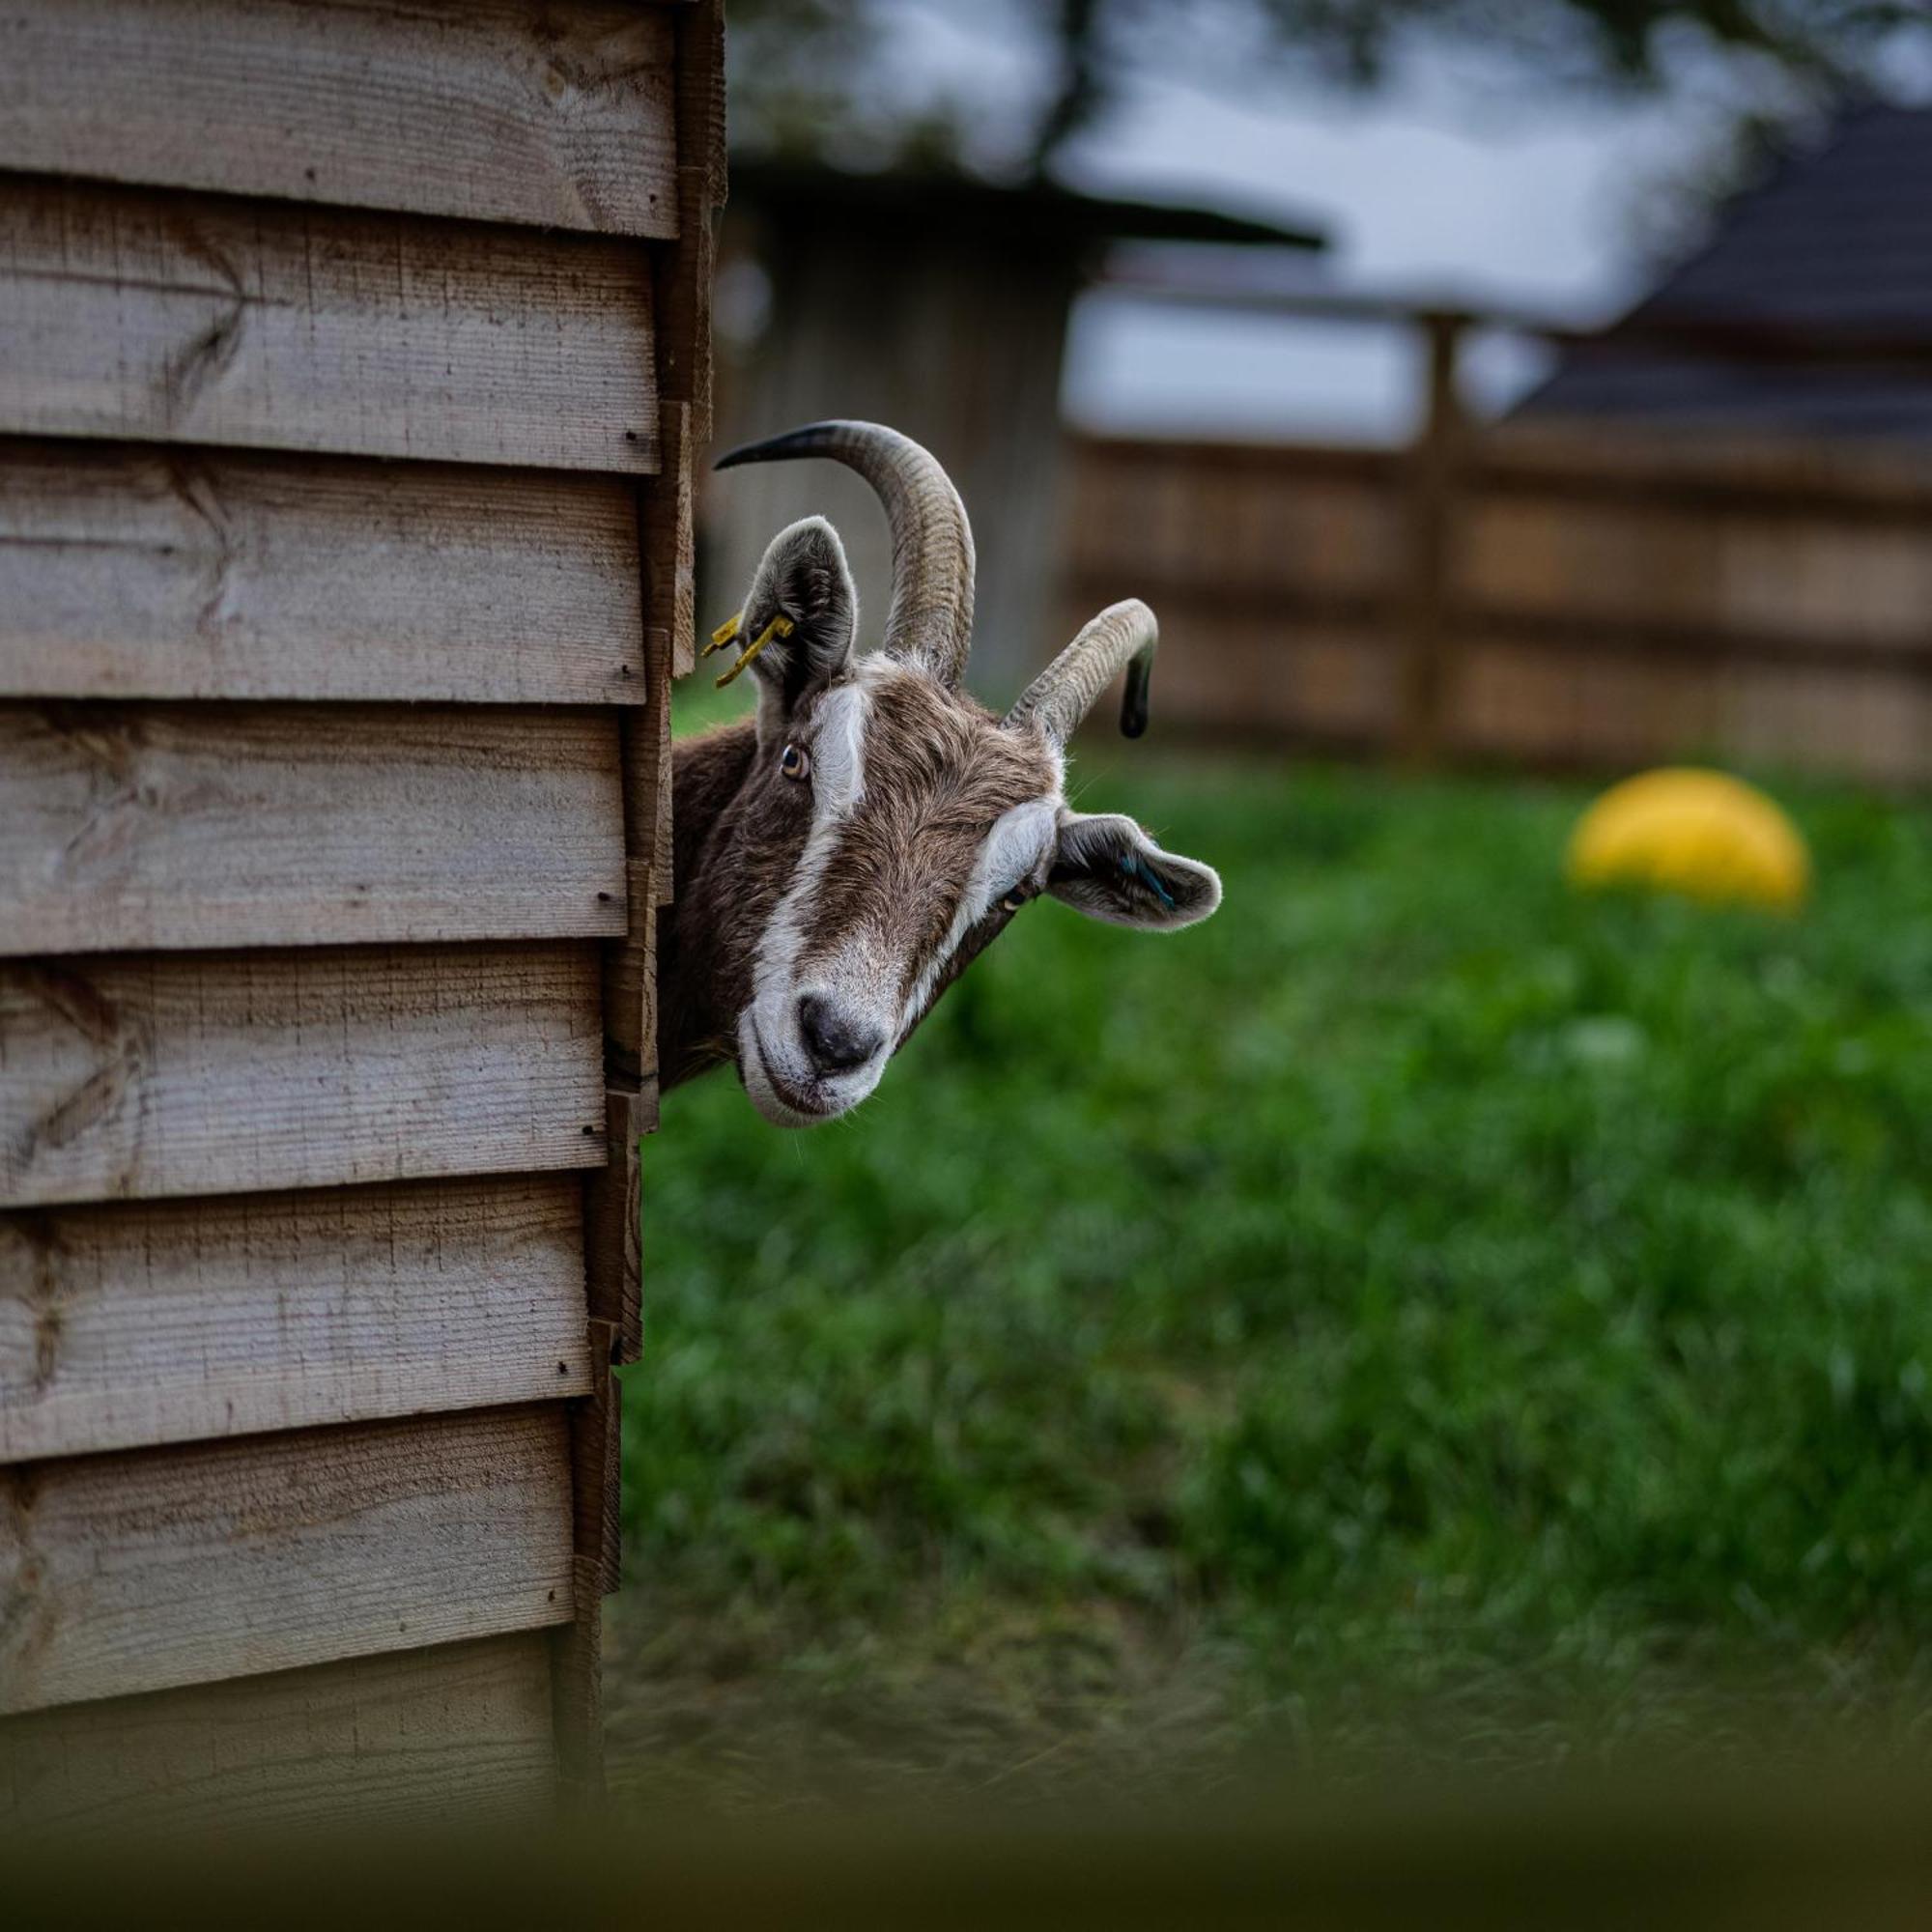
<point x="723" y="634"/>
<point x="778" y="627"/>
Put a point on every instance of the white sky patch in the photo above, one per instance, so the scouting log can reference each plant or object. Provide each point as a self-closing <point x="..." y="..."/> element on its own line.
<point x="1458" y="177"/>
<point x="1528" y="210"/>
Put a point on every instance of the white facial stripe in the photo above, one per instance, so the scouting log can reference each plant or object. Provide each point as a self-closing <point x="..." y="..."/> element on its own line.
<point x="1012" y="848"/>
<point x="838" y="786"/>
<point x="838" y="754"/>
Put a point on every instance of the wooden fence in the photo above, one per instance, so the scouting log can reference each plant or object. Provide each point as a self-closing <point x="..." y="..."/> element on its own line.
<point x="353" y="361"/>
<point x="1547" y="596"/>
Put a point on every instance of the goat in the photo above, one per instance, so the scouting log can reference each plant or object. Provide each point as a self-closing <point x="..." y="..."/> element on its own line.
<point x="844" y="855"/>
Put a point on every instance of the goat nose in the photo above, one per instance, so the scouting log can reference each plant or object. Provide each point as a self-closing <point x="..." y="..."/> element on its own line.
<point x="836" y="1041"/>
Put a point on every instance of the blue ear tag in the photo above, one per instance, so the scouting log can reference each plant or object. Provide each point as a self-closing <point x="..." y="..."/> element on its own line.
<point x="1133" y="864"/>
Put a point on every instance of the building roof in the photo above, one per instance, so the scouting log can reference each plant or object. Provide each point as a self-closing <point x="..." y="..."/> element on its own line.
<point x="945" y="200"/>
<point x="1838" y="237"/>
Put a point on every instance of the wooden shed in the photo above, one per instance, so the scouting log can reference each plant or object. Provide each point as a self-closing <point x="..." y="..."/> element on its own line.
<point x="938" y="302"/>
<point x="352" y="366"/>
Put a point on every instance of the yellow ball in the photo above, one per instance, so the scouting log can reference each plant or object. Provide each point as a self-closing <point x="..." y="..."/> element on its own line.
<point x="1701" y="833"/>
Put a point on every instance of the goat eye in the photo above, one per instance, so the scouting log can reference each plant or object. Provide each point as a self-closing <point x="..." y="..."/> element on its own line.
<point x="793" y="763"/>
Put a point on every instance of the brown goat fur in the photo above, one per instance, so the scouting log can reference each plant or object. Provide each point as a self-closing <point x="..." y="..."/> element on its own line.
<point x="842" y="857"/>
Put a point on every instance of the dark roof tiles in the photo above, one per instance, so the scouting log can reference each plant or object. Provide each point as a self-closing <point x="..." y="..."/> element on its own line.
<point x="1840" y="237"/>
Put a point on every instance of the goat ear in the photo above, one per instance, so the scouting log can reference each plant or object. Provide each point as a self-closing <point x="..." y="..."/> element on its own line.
<point x="806" y="581"/>
<point x="1109" y="868"/>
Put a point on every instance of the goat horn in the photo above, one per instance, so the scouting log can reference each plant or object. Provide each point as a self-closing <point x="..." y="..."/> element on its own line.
<point x="1124" y="633"/>
<point x="931" y="621"/>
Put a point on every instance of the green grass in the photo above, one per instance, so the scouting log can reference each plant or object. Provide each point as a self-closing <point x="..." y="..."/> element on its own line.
<point x="1420" y="1313"/>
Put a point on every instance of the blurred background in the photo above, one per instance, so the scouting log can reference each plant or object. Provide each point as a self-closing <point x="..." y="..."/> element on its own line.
<point x="1425" y="1318"/>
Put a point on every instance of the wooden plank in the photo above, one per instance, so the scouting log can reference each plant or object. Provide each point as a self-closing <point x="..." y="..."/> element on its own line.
<point x="1847" y="482"/>
<point x="460" y="1730"/>
<point x="133" y="1572"/>
<point x="1237" y="672"/>
<point x="613" y="1225"/>
<point x="629" y="967"/>
<point x="1864" y="584"/>
<point x="133" y="826"/>
<point x="1584" y="634"/>
<point x="1212" y="604"/>
<point x="667" y="538"/>
<point x="631" y="990"/>
<point x="1607" y="708"/>
<point x="576" y="1694"/>
<point x="684" y="270"/>
<point x="596" y="1461"/>
<point x="1203" y="612"/>
<point x="132" y="572"/>
<point x="228" y="1074"/>
<point x="167" y="317"/>
<point x="1190" y="525"/>
<point x="684" y="276"/>
<point x="500" y="112"/>
<point x="1252" y="462"/>
<point x="663" y="768"/>
<point x="138" y="1323"/>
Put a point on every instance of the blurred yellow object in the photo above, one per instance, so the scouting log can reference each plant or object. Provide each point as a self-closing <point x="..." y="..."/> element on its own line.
<point x="1699" y="833"/>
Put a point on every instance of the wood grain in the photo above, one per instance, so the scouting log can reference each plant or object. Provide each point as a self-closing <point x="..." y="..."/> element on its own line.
<point x="132" y="572"/>
<point x="596" y="1461"/>
<point x="169" y="318"/>
<point x="1861" y="585"/>
<point x="597" y="1488"/>
<point x="1610" y="602"/>
<point x="230" y="1073"/>
<point x="500" y="112"/>
<point x="686" y="270"/>
<point x="577" y="1703"/>
<point x="669" y="520"/>
<point x="140" y="1572"/>
<point x="460" y="1730"/>
<point x="613" y="1221"/>
<point x="131" y="826"/>
<point x="670" y="572"/>
<point x="138" y="1324"/>
<point x="629" y="967"/>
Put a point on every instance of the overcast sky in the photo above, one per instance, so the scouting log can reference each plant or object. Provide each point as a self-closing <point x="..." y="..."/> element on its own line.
<point x="1439" y="182"/>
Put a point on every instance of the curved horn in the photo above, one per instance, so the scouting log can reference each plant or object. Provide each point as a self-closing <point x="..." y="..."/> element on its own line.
<point x="1124" y="633"/>
<point x="931" y="621"/>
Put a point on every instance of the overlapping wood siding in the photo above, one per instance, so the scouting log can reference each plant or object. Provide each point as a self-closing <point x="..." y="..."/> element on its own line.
<point x="353" y="360"/>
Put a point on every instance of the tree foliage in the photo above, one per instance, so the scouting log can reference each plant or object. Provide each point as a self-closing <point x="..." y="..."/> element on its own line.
<point x="819" y="74"/>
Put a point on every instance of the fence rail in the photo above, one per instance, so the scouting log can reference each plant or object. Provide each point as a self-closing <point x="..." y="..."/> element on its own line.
<point x="1547" y="594"/>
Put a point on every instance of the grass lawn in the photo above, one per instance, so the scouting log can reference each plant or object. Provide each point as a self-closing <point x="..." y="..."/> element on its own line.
<point x="1420" y="1316"/>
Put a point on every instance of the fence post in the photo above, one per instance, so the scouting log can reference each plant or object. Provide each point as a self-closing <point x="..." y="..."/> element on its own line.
<point x="1434" y="462"/>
